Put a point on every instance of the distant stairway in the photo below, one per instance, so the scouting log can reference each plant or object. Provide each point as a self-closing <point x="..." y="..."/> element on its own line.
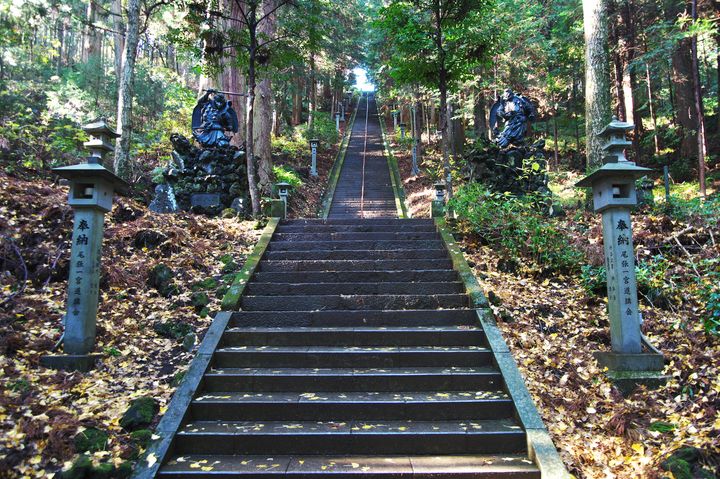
<point x="355" y="353"/>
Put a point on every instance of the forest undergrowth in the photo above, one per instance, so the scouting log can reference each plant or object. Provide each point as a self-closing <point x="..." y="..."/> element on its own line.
<point x="546" y="289"/>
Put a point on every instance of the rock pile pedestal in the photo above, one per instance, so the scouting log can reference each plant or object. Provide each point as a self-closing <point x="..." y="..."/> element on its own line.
<point x="207" y="180"/>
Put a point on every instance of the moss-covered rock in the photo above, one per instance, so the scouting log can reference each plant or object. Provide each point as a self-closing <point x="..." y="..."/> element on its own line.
<point x="79" y="469"/>
<point x="141" y="437"/>
<point x="161" y="278"/>
<point x="189" y="342"/>
<point x="124" y="470"/>
<point x="140" y="413"/>
<point x="681" y="463"/>
<point x="205" y="285"/>
<point x="91" y="440"/>
<point x="172" y="329"/>
<point x="199" y="300"/>
<point x="103" y="471"/>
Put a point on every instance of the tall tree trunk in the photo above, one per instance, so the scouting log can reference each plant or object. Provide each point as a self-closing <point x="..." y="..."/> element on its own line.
<point x="297" y="98"/>
<point x="682" y="85"/>
<point x="479" y="114"/>
<point x="697" y="90"/>
<point x="118" y="37"/>
<point x="653" y="116"/>
<point x="250" y="111"/>
<point x="91" y="40"/>
<point x="264" y="110"/>
<point x="125" y="92"/>
<point x="312" y="93"/>
<point x="597" y="78"/>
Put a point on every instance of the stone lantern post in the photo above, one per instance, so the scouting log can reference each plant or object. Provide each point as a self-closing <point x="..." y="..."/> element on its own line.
<point x="283" y="192"/>
<point x="403" y="126"/>
<point x="438" y="204"/>
<point x="313" y="149"/>
<point x="91" y="194"/>
<point x="337" y="121"/>
<point x="632" y="360"/>
<point x="395" y="114"/>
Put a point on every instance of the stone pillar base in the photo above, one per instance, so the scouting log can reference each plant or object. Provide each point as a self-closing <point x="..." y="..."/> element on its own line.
<point x="437" y="209"/>
<point x="70" y="362"/>
<point x="275" y="209"/>
<point x="627" y="371"/>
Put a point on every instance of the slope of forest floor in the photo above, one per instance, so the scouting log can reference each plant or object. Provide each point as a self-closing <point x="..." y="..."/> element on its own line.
<point x="553" y="324"/>
<point x="140" y="331"/>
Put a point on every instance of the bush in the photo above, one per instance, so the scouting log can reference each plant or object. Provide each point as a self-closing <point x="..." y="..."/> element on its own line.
<point x="288" y="175"/>
<point x="515" y="227"/>
<point x="323" y="129"/>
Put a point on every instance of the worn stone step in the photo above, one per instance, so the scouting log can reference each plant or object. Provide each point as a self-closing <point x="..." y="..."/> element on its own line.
<point x="354" y="301"/>
<point x="439" y="253"/>
<point x="355" y="244"/>
<point x="267" y="289"/>
<point x="352" y="236"/>
<point x="350" y="356"/>
<point x="505" y="466"/>
<point x="380" y="221"/>
<point x="362" y="336"/>
<point x="355" y="318"/>
<point x="354" y="265"/>
<point x="359" y="406"/>
<point x="352" y="379"/>
<point x="357" y="228"/>
<point x="356" y="437"/>
<point x="396" y="276"/>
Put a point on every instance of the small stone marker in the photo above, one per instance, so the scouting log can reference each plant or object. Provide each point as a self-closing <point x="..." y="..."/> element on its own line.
<point x="314" y="143"/>
<point x="438" y="204"/>
<point x="205" y="200"/>
<point x="395" y="114"/>
<point x="91" y="194"/>
<point x="614" y="194"/>
<point x="402" y="130"/>
<point x="337" y="121"/>
<point x="164" y="200"/>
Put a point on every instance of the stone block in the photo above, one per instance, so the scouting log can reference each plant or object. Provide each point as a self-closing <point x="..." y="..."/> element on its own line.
<point x="70" y="362"/>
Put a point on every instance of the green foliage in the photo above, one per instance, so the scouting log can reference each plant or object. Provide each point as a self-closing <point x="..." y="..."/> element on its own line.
<point x="288" y="175"/>
<point x="292" y="146"/>
<point x="323" y="128"/>
<point x="514" y="226"/>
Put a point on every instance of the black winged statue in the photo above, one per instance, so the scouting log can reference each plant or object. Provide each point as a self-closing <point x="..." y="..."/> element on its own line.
<point x="517" y="112"/>
<point x="211" y="118"/>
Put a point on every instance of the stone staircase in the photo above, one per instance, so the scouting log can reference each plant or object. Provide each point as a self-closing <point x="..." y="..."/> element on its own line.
<point x="355" y="353"/>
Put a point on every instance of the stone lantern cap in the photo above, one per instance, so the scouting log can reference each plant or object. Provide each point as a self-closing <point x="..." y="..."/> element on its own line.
<point x="99" y="133"/>
<point x="626" y="169"/>
<point x="283" y="187"/>
<point x="92" y="171"/>
<point x="616" y="142"/>
<point x="314" y="141"/>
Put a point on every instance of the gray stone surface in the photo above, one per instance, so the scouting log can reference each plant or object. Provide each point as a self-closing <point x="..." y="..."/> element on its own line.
<point x="205" y="200"/>
<point x="164" y="201"/>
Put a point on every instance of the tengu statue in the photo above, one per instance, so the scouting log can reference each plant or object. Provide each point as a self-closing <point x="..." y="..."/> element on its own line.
<point x="211" y="118"/>
<point x="517" y="112"/>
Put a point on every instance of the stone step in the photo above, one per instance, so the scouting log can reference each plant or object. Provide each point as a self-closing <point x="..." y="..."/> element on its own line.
<point x="352" y="302"/>
<point x="353" y="236"/>
<point x="350" y="357"/>
<point x="359" y="406"/>
<point x="354" y="265"/>
<point x="356" y="318"/>
<point x="396" y="276"/>
<point x="358" y="228"/>
<point x="354" y="244"/>
<point x="379" y="221"/>
<point x="439" y="253"/>
<point x="256" y="288"/>
<point x="505" y="466"/>
<point x="356" y="437"/>
<point x="386" y="336"/>
<point x="352" y="379"/>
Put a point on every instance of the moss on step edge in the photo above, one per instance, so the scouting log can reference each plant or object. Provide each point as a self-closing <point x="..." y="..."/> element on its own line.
<point x="231" y="300"/>
<point x="337" y="166"/>
<point x="395" y="177"/>
<point x="540" y="446"/>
